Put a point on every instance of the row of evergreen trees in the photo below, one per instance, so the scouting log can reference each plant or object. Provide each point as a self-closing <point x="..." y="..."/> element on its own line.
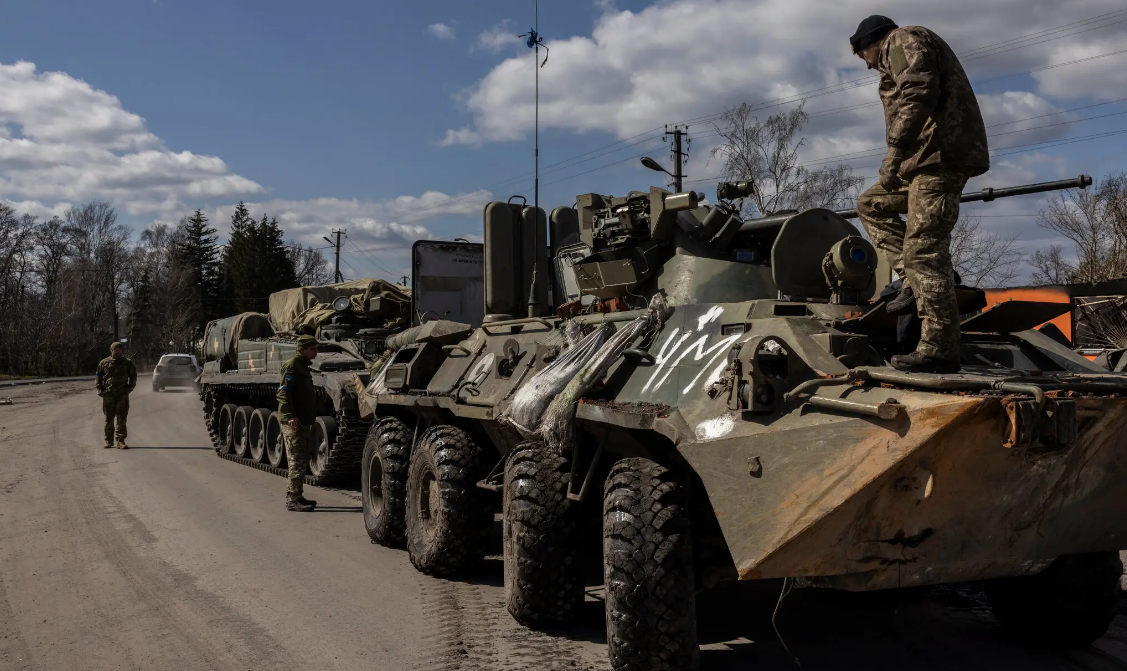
<point x="240" y="276"/>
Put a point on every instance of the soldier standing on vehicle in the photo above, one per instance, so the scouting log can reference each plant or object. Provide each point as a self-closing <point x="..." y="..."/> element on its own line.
<point x="297" y="409"/>
<point x="115" y="379"/>
<point x="936" y="142"/>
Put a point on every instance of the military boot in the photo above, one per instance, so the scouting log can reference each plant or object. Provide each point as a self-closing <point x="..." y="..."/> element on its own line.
<point x="903" y="303"/>
<point x="109" y="445"/>
<point x="922" y="363"/>
<point x="121" y="445"/>
<point x="306" y="502"/>
<point x="299" y="507"/>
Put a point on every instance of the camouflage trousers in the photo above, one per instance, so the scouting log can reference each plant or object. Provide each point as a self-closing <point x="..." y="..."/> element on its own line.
<point x="297" y="454"/>
<point x="115" y="407"/>
<point x="919" y="250"/>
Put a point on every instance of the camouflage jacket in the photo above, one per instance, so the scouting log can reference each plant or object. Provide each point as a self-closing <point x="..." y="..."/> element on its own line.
<point x="115" y="377"/>
<point x="296" y="397"/>
<point x="930" y="111"/>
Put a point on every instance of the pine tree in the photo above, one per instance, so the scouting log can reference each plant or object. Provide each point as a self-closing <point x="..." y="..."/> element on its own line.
<point x="197" y="250"/>
<point x="241" y="264"/>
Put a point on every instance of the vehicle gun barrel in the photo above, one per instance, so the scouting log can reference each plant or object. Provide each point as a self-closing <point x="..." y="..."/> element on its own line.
<point x="985" y="195"/>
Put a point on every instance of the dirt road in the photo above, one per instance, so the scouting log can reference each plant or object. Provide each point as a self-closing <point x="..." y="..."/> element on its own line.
<point x="166" y="557"/>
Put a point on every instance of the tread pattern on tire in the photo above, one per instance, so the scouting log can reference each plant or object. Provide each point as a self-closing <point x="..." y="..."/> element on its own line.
<point x="648" y="569"/>
<point x="543" y="582"/>
<point x="389" y="440"/>
<point x="464" y="518"/>
<point x="1070" y="603"/>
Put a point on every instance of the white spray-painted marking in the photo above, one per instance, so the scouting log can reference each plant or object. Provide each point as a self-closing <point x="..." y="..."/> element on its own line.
<point x="662" y="357"/>
<point x="714" y="428"/>
<point x="718" y="350"/>
<point x="482" y="368"/>
<point x="714" y="313"/>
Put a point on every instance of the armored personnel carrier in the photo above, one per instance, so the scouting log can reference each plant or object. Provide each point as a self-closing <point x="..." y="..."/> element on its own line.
<point x="712" y="396"/>
<point x="352" y="322"/>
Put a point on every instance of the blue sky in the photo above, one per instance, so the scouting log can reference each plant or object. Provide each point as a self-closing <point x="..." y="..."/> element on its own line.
<point x="388" y="119"/>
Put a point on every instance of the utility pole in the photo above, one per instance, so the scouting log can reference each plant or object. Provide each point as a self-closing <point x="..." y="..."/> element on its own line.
<point x="679" y="157"/>
<point x="336" y="272"/>
<point x="405" y="281"/>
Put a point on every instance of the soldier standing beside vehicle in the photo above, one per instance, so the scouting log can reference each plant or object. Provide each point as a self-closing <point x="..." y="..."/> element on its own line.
<point x="297" y="409"/>
<point x="936" y="142"/>
<point x="115" y="378"/>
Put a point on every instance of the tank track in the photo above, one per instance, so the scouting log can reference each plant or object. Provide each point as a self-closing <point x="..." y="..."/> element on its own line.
<point x="342" y="467"/>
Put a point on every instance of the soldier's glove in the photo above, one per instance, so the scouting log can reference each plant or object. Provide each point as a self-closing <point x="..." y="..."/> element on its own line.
<point x="889" y="176"/>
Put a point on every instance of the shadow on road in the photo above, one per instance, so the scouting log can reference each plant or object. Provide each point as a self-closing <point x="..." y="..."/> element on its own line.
<point x="338" y="509"/>
<point x="171" y="447"/>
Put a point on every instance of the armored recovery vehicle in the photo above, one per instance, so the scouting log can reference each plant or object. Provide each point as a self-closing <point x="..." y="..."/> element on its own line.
<point x="352" y="321"/>
<point x="718" y="402"/>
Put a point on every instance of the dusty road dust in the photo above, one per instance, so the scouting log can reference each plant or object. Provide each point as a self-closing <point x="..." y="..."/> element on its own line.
<point x="166" y="557"/>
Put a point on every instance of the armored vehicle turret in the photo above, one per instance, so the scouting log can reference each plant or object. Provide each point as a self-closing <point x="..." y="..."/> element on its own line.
<point x="712" y="397"/>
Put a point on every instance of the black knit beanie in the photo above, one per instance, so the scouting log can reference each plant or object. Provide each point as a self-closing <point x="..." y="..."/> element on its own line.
<point x="870" y="31"/>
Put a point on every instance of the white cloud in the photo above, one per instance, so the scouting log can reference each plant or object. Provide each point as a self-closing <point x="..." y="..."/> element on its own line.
<point x="464" y="137"/>
<point x="64" y="140"/>
<point x="441" y="31"/>
<point x="682" y="59"/>
<point x="498" y="38"/>
<point x="385" y="229"/>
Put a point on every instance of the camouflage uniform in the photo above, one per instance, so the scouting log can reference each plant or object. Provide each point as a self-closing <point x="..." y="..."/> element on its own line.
<point x="297" y="399"/>
<point x="932" y="116"/>
<point x="115" y="379"/>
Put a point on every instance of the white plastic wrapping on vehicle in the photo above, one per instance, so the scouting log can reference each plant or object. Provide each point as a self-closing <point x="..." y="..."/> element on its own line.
<point x="544" y="406"/>
<point x="533" y="397"/>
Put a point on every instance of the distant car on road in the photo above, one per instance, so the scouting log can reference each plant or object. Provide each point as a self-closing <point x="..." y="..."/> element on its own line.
<point x="176" y="370"/>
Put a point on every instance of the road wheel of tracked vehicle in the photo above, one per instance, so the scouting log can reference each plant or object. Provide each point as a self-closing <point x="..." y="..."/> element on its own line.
<point x="226" y="421"/>
<point x="275" y="442"/>
<point x="448" y="517"/>
<point x="543" y="585"/>
<point x="321" y="440"/>
<point x="1071" y="603"/>
<point x="240" y="431"/>
<point x="258" y="421"/>
<point x="648" y="569"/>
<point x="383" y="481"/>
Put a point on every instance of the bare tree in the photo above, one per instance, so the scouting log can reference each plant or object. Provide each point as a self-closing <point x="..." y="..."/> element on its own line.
<point x="1050" y="267"/>
<point x="983" y="258"/>
<point x="767" y="153"/>
<point x="309" y="265"/>
<point x="1095" y="222"/>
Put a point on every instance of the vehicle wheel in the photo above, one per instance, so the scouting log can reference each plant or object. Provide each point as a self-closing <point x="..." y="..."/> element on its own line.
<point x="226" y="420"/>
<point x="1071" y="603"/>
<point x="240" y="431"/>
<point x="543" y="585"/>
<point x="321" y="439"/>
<point x="275" y="442"/>
<point x="257" y="434"/>
<point x="448" y="519"/>
<point x="648" y="569"/>
<point x="383" y="481"/>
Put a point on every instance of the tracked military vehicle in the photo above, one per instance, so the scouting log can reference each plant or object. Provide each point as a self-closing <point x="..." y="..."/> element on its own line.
<point x="352" y="322"/>
<point x="712" y="396"/>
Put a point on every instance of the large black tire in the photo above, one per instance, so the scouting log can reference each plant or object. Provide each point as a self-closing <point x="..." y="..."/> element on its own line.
<point x="240" y="431"/>
<point x="383" y="481"/>
<point x="448" y="516"/>
<point x="648" y="569"/>
<point x="322" y="437"/>
<point x="257" y="434"/>
<point x="226" y="420"/>
<point x="1070" y="603"/>
<point x="275" y="442"/>
<point x="543" y="585"/>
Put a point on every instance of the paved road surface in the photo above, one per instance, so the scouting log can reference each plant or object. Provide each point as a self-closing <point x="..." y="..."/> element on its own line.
<point x="166" y="557"/>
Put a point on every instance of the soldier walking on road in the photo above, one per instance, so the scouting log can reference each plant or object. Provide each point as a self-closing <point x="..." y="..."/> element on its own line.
<point x="297" y="408"/>
<point x="115" y="379"/>
<point x="936" y="142"/>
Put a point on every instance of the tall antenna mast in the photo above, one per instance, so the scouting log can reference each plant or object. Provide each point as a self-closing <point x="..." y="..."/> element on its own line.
<point x="534" y="42"/>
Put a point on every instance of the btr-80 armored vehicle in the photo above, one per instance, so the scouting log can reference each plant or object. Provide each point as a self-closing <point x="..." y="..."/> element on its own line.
<point x="722" y="385"/>
<point x="352" y="322"/>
